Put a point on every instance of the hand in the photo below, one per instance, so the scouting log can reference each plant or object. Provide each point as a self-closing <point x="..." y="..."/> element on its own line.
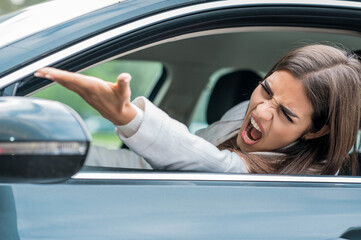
<point x="111" y="100"/>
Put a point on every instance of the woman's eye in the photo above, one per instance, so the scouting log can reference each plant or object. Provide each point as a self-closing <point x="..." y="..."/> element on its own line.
<point x="286" y="115"/>
<point x="266" y="89"/>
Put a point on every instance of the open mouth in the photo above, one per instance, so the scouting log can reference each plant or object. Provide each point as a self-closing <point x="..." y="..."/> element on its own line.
<point x="252" y="133"/>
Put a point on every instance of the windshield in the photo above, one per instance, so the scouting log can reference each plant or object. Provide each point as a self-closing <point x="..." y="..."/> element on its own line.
<point x="42" y="16"/>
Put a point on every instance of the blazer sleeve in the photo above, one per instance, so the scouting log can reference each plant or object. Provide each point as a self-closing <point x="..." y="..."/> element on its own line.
<point x="167" y="144"/>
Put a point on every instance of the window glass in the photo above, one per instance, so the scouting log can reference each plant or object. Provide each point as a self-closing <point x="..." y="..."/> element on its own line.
<point x="145" y="75"/>
<point x="8" y="91"/>
<point x="199" y="115"/>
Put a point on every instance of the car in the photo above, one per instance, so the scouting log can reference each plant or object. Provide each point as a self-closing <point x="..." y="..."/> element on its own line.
<point x="179" y="53"/>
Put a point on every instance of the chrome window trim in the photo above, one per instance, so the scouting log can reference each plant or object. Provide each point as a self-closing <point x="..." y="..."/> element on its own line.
<point x="220" y="177"/>
<point x="152" y="20"/>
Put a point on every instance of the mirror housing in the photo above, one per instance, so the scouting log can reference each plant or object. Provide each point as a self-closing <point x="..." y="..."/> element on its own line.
<point x="41" y="141"/>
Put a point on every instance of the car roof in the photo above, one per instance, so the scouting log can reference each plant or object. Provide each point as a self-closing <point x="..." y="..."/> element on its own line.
<point x="45" y="15"/>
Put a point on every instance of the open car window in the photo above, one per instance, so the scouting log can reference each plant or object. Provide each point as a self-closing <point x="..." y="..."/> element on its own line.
<point x="191" y="68"/>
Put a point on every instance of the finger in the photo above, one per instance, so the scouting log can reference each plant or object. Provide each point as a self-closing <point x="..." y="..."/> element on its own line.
<point x="123" y="85"/>
<point x="62" y="77"/>
<point x="51" y="73"/>
<point x="124" y="77"/>
<point x="76" y="82"/>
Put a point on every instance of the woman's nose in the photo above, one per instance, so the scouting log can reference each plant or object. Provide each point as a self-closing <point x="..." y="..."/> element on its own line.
<point x="266" y="110"/>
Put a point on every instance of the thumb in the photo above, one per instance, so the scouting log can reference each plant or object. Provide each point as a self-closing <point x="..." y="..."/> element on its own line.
<point x="123" y="84"/>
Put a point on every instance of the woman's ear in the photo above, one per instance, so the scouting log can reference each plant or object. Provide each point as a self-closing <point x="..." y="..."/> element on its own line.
<point x="311" y="135"/>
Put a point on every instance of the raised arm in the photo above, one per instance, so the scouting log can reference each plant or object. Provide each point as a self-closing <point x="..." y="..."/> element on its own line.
<point x="164" y="142"/>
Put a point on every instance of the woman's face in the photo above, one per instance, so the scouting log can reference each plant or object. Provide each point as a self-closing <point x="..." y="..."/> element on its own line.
<point x="279" y="113"/>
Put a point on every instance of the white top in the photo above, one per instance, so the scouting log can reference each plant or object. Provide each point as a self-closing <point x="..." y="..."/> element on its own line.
<point x="167" y="144"/>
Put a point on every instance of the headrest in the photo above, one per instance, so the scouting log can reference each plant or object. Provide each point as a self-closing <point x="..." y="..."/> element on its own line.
<point x="231" y="89"/>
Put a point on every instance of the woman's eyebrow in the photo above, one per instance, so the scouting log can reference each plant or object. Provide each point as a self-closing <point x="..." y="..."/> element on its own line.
<point x="268" y="88"/>
<point x="289" y="112"/>
<point x="285" y="109"/>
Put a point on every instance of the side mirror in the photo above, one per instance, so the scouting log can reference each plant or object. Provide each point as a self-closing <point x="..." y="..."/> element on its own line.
<point x="41" y="141"/>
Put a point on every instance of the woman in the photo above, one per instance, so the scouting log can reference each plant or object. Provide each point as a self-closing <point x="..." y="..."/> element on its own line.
<point x="303" y="118"/>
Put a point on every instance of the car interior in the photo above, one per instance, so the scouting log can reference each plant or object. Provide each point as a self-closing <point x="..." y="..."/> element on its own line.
<point x="204" y="74"/>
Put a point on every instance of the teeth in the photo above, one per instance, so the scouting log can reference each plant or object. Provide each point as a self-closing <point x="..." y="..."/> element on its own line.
<point x="249" y="138"/>
<point x="255" y="125"/>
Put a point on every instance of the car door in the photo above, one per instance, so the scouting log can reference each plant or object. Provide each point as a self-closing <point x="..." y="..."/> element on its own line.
<point x="191" y="45"/>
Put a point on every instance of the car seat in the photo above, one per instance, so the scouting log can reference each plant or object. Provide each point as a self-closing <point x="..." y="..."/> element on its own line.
<point x="231" y="89"/>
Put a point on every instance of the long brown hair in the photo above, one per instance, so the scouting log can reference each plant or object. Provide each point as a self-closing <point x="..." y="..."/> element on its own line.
<point x="331" y="78"/>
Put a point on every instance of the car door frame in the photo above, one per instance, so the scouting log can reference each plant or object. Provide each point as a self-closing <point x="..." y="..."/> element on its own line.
<point x="151" y="30"/>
